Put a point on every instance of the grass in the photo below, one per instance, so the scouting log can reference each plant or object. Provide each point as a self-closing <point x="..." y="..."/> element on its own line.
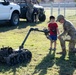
<point x="43" y="61"/>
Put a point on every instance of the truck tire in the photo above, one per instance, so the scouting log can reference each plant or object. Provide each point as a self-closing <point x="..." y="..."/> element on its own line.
<point x="14" y="19"/>
<point x="41" y="17"/>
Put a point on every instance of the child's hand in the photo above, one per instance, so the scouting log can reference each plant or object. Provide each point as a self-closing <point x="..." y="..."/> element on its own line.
<point x="59" y="37"/>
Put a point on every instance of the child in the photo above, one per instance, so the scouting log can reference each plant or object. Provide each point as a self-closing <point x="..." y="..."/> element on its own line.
<point x="53" y="28"/>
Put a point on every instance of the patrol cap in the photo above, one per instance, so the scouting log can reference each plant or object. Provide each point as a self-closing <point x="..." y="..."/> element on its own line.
<point x="60" y="17"/>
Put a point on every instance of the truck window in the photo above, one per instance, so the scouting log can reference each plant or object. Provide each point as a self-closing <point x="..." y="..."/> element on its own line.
<point x="1" y="0"/>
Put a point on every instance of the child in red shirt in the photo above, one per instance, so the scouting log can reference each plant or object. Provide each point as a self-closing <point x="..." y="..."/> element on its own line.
<point x="53" y="28"/>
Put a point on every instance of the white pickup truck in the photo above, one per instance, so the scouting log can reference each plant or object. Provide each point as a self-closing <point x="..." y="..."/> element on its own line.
<point x="9" y="12"/>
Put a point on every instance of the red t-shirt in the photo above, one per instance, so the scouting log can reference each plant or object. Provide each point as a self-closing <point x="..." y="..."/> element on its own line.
<point x="53" y="28"/>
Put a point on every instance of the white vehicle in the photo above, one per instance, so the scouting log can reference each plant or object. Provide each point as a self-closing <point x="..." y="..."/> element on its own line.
<point x="9" y="12"/>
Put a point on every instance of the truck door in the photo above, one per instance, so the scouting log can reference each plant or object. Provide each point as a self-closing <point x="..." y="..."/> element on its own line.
<point x="4" y="10"/>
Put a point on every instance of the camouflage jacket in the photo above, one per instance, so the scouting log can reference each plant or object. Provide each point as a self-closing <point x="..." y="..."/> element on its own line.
<point x="30" y="6"/>
<point x="69" y="29"/>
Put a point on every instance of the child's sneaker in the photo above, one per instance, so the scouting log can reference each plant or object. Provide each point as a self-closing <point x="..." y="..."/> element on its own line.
<point x="54" y="49"/>
<point x="50" y="48"/>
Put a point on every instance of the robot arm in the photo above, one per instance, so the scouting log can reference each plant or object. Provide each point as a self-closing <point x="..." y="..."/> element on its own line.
<point x="45" y="31"/>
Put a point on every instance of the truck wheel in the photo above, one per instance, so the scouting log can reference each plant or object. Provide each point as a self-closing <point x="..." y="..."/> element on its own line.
<point x="14" y="19"/>
<point x="41" y="17"/>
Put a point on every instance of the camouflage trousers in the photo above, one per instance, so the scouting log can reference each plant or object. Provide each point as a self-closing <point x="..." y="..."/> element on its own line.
<point x="29" y="15"/>
<point x="72" y="42"/>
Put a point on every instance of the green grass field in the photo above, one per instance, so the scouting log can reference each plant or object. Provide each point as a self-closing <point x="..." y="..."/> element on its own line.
<point x="43" y="61"/>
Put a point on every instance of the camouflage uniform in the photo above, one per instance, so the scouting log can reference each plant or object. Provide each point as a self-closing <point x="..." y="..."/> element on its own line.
<point x="69" y="30"/>
<point x="29" y="10"/>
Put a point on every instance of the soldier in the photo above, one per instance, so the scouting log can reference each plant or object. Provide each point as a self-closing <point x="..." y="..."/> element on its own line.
<point x="29" y="10"/>
<point x="70" y="30"/>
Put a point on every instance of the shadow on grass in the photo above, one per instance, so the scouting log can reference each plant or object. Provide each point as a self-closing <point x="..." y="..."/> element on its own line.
<point x="47" y="62"/>
<point x="23" y="24"/>
<point x="67" y="67"/>
<point x="11" y="69"/>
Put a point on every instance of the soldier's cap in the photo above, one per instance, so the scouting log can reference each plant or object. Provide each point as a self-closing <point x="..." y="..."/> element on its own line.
<point x="60" y="17"/>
